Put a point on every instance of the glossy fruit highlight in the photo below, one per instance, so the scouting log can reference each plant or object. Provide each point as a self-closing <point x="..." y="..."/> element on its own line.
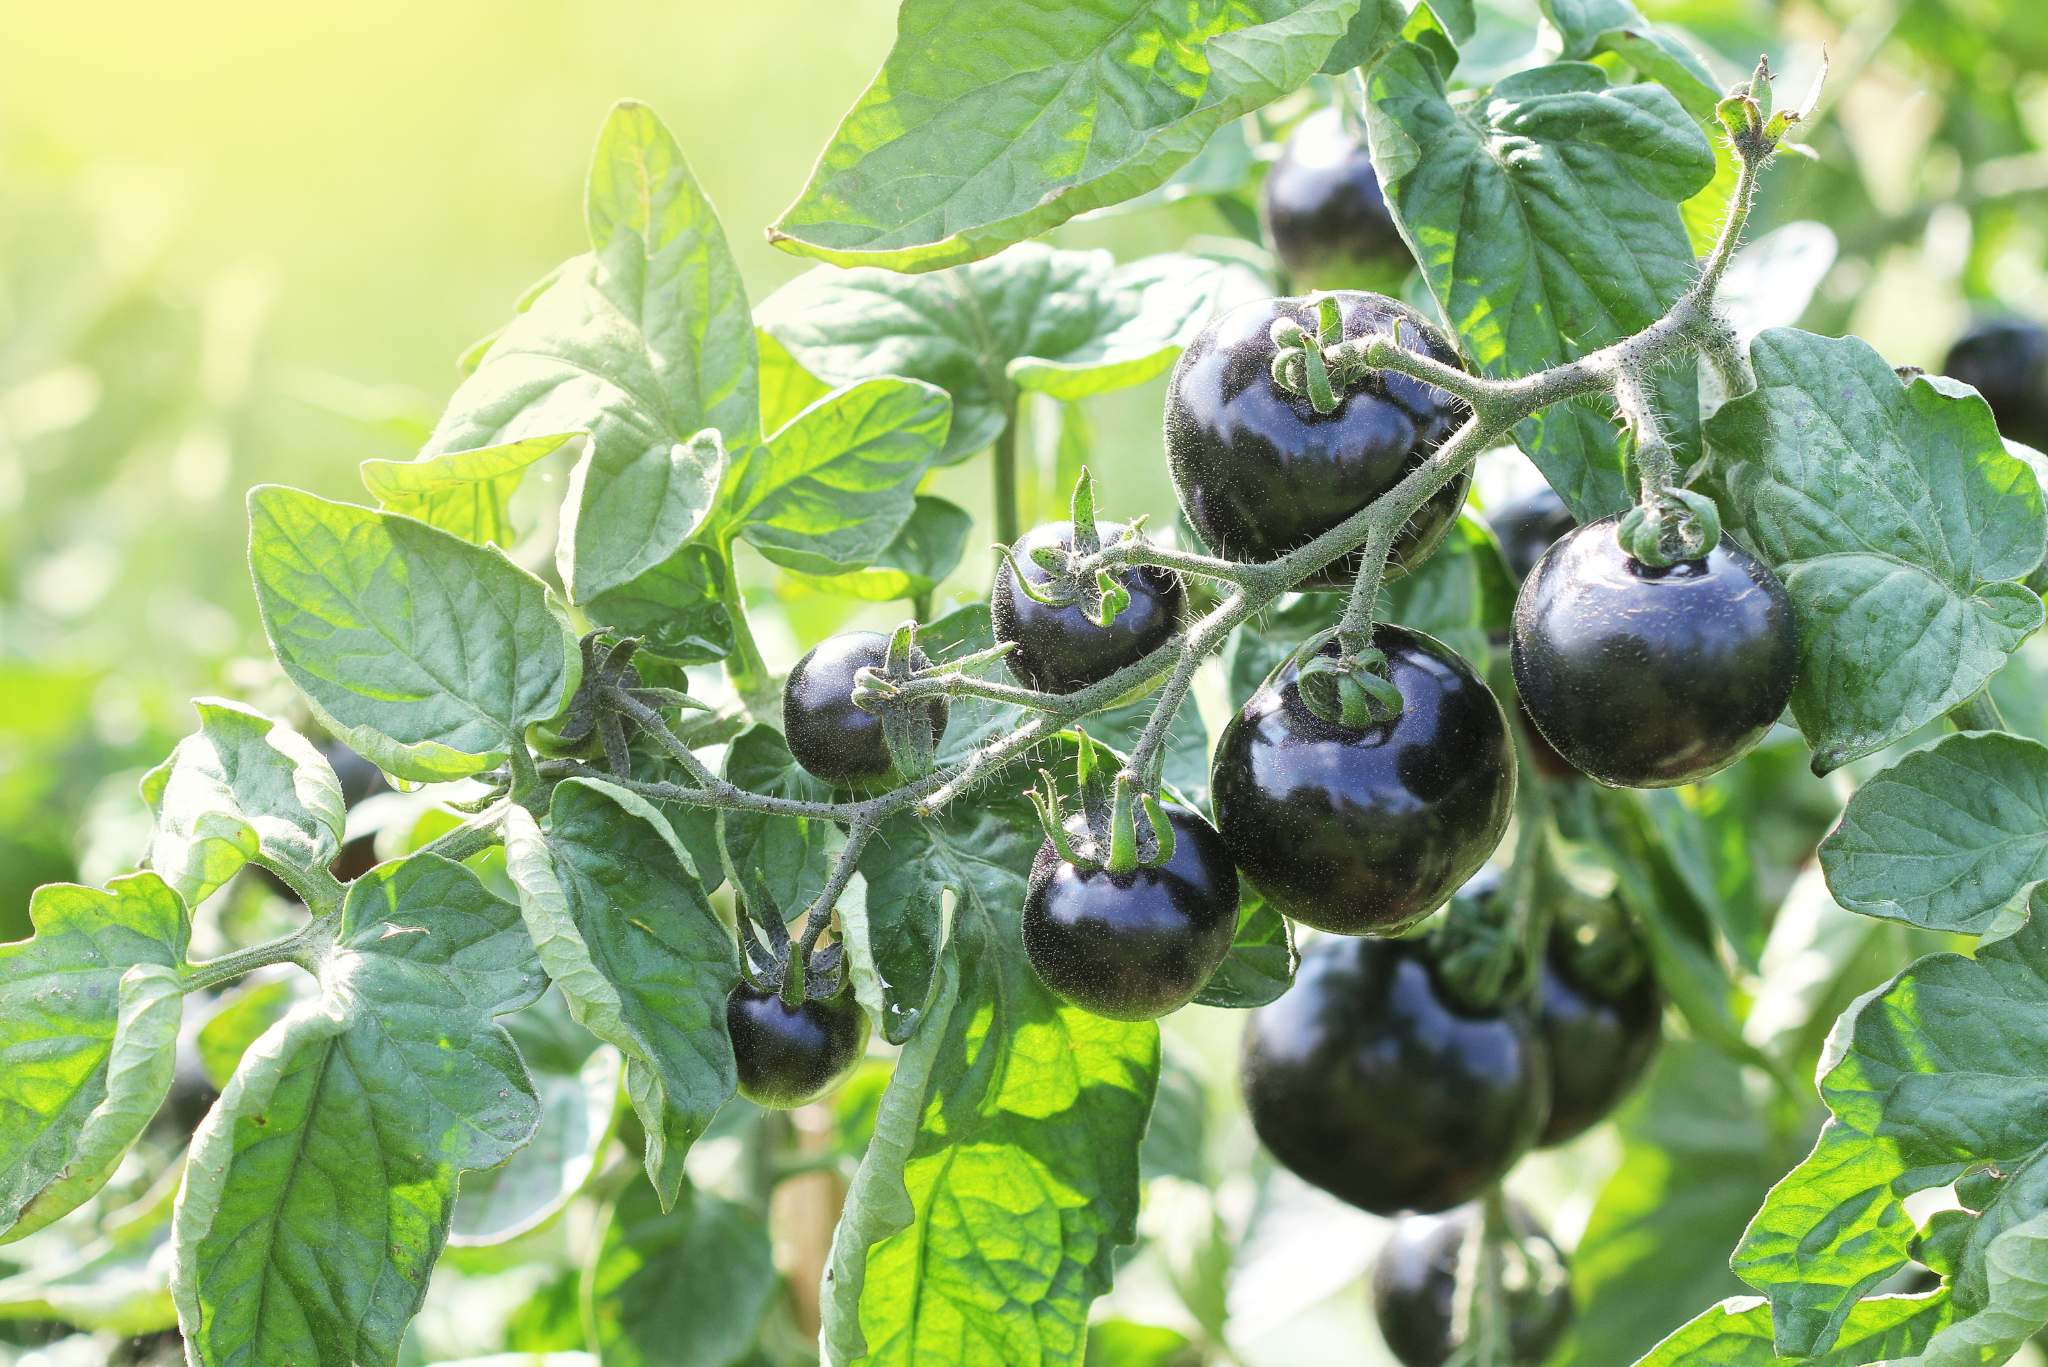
<point x="1366" y="831"/>
<point x="832" y="738"/>
<point x="1370" y="1081"/>
<point x="1260" y="472"/>
<point x="1137" y="945"/>
<point x="1059" y="650"/>
<point x="1645" y="677"/>
<point x="791" y="1055"/>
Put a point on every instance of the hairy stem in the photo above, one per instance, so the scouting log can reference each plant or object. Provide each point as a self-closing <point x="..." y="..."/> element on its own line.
<point x="301" y="947"/>
<point x="1979" y="713"/>
<point x="1003" y="473"/>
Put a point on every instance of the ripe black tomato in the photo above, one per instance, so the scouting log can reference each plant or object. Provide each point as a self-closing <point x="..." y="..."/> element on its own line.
<point x="1369" y="1080"/>
<point x="790" y="1055"/>
<point x="1058" y="649"/>
<point x="1366" y="831"/>
<point x="2006" y="360"/>
<point x="1415" y="1288"/>
<point x="1260" y="472"/>
<point x="1325" y="211"/>
<point x="1137" y="945"/>
<point x="1600" y="1038"/>
<point x="829" y="736"/>
<point x="1528" y="527"/>
<point x="1645" y="677"/>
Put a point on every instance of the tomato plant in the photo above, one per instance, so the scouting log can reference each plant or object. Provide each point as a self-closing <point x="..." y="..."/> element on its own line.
<point x="555" y="920"/>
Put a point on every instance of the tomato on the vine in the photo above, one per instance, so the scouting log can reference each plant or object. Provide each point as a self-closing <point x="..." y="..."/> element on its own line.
<point x="1370" y="1080"/>
<point x="828" y="734"/>
<point x="787" y="1055"/>
<point x="1366" y="831"/>
<point x="2006" y="360"/>
<point x="1059" y="648"/>
<point x="1136" y="945"/>
<point x="1325" y="211"/>
<point x="1599" y="1035"/>
<point x="1260" y="472"/>
<point x="1646" y="677"/>
<point x="1415" y="1287"/>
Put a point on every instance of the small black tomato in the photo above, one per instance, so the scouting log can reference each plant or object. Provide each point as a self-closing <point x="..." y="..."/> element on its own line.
<point x="1260" y="472"/>
<point x="1528" y="527"/>
<point x="1325" y="211"/>
<point x="1600" y="1037"/>
<point x="1137" y="945"/>
<point x="1366" y="831"/>
<point x="790" y="1055"/>
<point x="1369" y="1080"/>
<point x="1644" y="677"/>
<point x="2006" y="360"/>
<point x="1415" y="1288"/>
<point x="1059" y="650"/>
<point x="830" y="737"/>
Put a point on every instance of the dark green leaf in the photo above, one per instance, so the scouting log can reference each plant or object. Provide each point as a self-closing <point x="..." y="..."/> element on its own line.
<point x="1463" y="594"/>
<point x="318" y="1191"/>
<point x="1897" y="520"/>
<point x="645" y="964"/>
<point x="240" y="1020"/>
<point x="89" y="1014"/>
<point x="677" y="609"/>
<point x="687" y="1286"/>
<point x="428" y="655"/>
<point x="987" y="125"/>
<point x="1262" y="958"/>
<point x="1946" y="837"/>
<point x="243" y="788"/>
<point x="1589" y="27"/>
<point x="1737" y="1333"/>
<point x="925" y="551"/>
<point x="779" y="862"/>
<point x="645" y="343"/>
<point x="1545" y="218"/>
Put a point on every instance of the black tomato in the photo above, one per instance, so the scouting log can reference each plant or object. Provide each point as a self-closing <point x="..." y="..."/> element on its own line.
<point x="1370" y="1081"/>
<point x="1260" y="472"/>
<point x="829" y="736"/>
<point x="1133" y="946"/>
<point x="1366" y="831"/>
<point x="790" y="1055"/>
<point x="1059" y="650"/>
<point x="2006" y="360"/>
<point x="1325" y="211"/>
<point x="1528" y="527"/>
<point x="1648" y="678"/>
<point x="1415" y="1288"/>
<point x="1600" y="1038"/>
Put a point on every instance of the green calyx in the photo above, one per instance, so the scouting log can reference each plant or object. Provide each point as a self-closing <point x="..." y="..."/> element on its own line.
<point x="1108" y="835"/>
<point x="1100" y="595"/>
<point x="1669" y="528"/>
<point x="1752" y="125"/>
<point x="1352" y="692"/>
<point x="772" y="962"/>
<point x="1321" y="366"/>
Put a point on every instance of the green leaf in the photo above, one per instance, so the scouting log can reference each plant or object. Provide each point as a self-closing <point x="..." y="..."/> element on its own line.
<point x="1064" y="323"/>
<point x="830" y="491"/>
<point x="577" y="1080"/>
<point x="787" y="389"/>
<point x="987" y="125"/>
<point x="1946" y="837"/>
<point x="241" y="1019"/>
<point x="1375" y="28"/>
<point x="689" y="1286"/>
<point x="426" y="654"/>
<point x="319" y="1188"/>
<point x="924" y="552"/>
<point x="1125" y="1343"/>
<point x="989" y="1231"/>
<point x="118" y="1283"/>
<point x="1933" y="1077"/>
<point x="1463" y="594"/>
<point x="894" y="933"/>
<point x="624" y="930"/>
<point x="465" y="493"/>
<point x="778" y="862"/>
<point x="242" y="789"/>
<point x="1175" y="1139"/>
<point x="89" y="1012"/>
<point x="1545" y="218"/>
<point x="1262" y="958"/>
<point x="645" y="343"/>
<point x="677" y="609"/>
<point x="1737" y="1333"/>
<point x="1897" y="520"/>
<point x="1590" y="27"/>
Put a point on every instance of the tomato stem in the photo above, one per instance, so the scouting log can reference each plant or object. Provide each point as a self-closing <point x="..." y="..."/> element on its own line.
<point x="1003" y="476"/>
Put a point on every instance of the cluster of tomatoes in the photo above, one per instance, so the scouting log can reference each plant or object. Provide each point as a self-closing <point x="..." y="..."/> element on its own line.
<point x="1371" y="1077"/>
